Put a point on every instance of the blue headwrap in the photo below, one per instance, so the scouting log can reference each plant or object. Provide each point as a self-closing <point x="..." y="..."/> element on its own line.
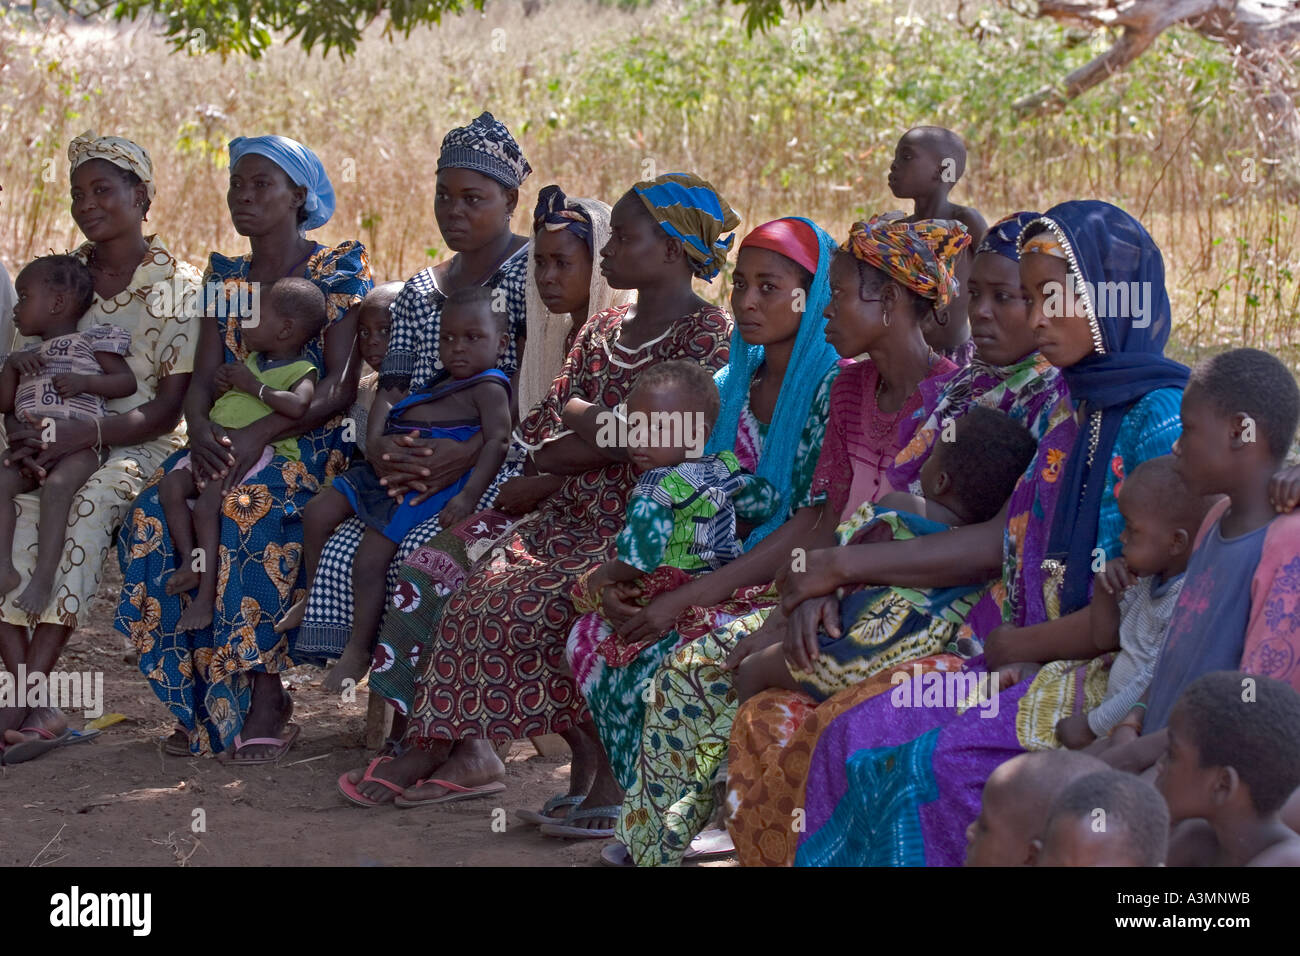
<point x="688" y="208"/>
<point x="810" y="359"/>
<point x="1003" y="236"/>
<point x="1104" y="244"/>
<point x="300" y="164"/>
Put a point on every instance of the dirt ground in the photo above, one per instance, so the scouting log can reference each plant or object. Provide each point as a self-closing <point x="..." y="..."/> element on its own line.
<point x="118" y="800"/>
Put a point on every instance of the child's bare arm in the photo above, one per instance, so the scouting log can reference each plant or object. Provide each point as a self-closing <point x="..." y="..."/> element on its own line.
<point x="118" y="381"/>
<point x="294" y="402"/>
<point x="1104" y="616"/>
<point x="291" y="403"/>
<point x="494" y="421"/>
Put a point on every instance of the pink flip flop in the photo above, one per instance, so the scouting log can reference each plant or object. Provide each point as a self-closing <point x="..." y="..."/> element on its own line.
<point x="457" y="793"/>
<point x="281" y="743"/>
<point x="353" y="793"/>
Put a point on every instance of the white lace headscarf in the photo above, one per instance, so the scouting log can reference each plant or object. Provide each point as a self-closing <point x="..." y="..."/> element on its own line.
<point x="548" y="333"/>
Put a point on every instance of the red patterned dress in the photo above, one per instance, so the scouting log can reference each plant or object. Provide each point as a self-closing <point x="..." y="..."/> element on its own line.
<point x="495" y="667"/>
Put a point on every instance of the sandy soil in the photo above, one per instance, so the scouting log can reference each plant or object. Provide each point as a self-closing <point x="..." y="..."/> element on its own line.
<point x="118" y="800"/>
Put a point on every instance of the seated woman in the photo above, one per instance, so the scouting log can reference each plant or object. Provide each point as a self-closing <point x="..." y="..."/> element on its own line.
<point x="564" y="288"/>
<point x="140" y="288"/>
<point x="494" y="668"/>
<point x="772" y="418"/>
<point x="884" y="279"/>
<point x="222" y="683"/>
<point x="480" y="168"/>
<point x="1061" y="517"/>
<point x="1009" y="375"/>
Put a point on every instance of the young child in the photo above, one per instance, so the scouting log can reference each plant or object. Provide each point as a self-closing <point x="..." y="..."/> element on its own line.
<point x="964" y="481"/>
<point x="374" y="322"/>
<point x="67" y="376"/>
<point x="928" y="161"/>
<point x="1133" y="599"/>
<point x="1016" y="799"/>
<point x="1233" y="760"/>
<point x="682" y="515"/>
<point x="275" y="378"/>
<point x="1239" y="414"/>
<point x="1107" y="818"/>
<point x="471" y="397"/>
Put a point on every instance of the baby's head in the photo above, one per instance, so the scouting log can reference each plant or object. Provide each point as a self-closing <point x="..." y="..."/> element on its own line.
<point x="1239" y="415"/>
<point x="290" y="317"/>
<point x="973" y="474"/>
<point x="1017" y="796"/>
<point x="53" y="292"/>
<point x="471" y="332"/>
<point x="1108" y="818"/>
<point x="927" y="160"/>
<point x="374" y="320"/>
<point x="1234" y="747"/>
<point x="1161" y="517"/>
<point x="670" y="413"/>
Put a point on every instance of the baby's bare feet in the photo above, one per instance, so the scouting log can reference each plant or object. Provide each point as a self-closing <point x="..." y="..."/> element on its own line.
<point x="195" y="617"/>
<point x="352" y="665"/>
<point x="36" y="598"/>
<point x="182" y="581"/>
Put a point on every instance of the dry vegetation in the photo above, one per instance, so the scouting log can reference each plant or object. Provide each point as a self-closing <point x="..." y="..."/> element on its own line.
<point x="800" y="120"/>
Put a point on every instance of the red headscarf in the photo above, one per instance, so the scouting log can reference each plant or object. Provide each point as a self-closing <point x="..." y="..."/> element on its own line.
<point x="791" y="238"/>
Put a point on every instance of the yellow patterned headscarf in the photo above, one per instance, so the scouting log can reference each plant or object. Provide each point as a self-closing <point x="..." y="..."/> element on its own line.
<point x="920" y="255"/>
<point x="1045" y="243"/>
<point x="120" y="152"/>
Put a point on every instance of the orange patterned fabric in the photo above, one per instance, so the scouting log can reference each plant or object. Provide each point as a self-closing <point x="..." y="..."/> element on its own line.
<point x="772" y="741"/>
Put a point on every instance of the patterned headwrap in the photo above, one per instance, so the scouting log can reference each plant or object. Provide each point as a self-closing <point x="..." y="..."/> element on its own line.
<point x="1005" y="233"/>
<point x="920" y="255"/>
<point x="485" y="146"/>
<point x="1046" y="244"/>
<point x="689" y="208"/>
<point x="122" y="153"/>
<point x="300" y="164"/>
<point x="556" y="212"/>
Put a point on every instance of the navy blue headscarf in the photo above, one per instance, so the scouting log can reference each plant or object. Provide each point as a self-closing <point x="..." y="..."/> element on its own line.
<point x="1104" y="244"/>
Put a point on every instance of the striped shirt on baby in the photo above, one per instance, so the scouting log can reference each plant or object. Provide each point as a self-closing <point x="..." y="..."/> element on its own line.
<point x="1145" y="612"/>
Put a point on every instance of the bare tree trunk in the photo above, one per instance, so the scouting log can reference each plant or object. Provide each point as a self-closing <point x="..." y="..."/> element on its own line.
<point x="1263" y="36"/>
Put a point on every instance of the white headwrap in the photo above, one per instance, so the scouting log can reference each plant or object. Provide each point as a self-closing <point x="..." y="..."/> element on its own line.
<point x="122" y="153"/>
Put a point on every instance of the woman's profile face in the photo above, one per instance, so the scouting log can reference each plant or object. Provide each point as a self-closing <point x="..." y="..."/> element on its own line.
<point x="767" y="296"/>
<point x="104" y="206"/>
<point x="1056" y="314"/>
<point x="261" y="196"/>
<point x="998" y="308"/>
<point x="634" y="256"/>
<point x="471" y="209"/>
<point x="562" y="270"/>
<point x="854" y="317"/>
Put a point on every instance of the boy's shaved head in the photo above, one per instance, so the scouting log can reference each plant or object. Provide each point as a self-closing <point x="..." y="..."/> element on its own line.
<point x="942" y="141"/>
<point x="1109" y="818"/>
<point x="381" y="296"/>
<point x="1017" y="798"/>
